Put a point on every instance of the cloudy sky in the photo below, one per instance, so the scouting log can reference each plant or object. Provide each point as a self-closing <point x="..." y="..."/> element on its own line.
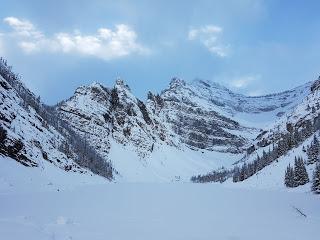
<point x="251" y="46"/>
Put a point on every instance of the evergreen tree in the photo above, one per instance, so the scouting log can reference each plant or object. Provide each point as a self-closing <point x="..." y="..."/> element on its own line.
<point x="3" y="135"/>
<point x="308" y="129"/>
<point x="236" y="174"/>
<point x="114" y="99"/>
<point x="281" y="148"/>
<point x="296" y="137"/>
<point x="313" y="151"/>
<point x="300" y="172"/>
<point x="243" y="172"/>
<point x="289" y="177"/>
<point x="259" y="163"/>
<point x="316" y="180"/>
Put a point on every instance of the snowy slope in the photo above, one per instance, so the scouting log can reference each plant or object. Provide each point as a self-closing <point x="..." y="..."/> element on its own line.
<point x="307" y="109"/>
<point x="166" y="163"/>
<point x="301" y="122"/>
<point x="272" y="176"/>
<point x="37" y="141"/>
<point x="15" y="178"/>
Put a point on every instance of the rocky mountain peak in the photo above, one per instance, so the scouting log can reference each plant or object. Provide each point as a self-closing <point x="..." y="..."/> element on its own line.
<point x="96" y="85"/>
<point x="120" y="84"/>
<point x="315" y="85"/>
<point x="85" y="89"/>
<point x="176" y="82"/>
<point x="207" y="84"/>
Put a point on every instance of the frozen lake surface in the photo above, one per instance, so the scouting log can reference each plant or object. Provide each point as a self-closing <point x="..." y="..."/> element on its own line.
<point x="158" y="211"/>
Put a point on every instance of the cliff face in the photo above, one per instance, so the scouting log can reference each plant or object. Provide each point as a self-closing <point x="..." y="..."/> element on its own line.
<point x="100" y="114"/>
<point x="208" y="116"/>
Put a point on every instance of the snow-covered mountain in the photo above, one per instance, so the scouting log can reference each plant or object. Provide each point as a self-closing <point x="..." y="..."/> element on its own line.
<point x="209" y="116"/>
<point x="294" y="134"/>
<point x="32" y="134"/>
<point x="186" y="130"/>
<point x="100" y="114"/>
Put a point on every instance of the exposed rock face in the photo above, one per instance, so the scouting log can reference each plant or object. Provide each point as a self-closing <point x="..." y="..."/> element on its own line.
<point x="102" y="115"/>
<point x="87" y="112"/>
<point x="315" y="85"/>
<point x="199" y="128"/>
<point x="200" y="115"/>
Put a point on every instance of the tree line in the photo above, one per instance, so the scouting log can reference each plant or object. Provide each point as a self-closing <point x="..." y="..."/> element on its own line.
<point x="287" y="141"/>
<point x="214" y="176"/>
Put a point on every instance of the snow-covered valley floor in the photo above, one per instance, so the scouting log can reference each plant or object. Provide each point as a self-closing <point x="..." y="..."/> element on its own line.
<point x="159" y="211"/>
<point x="48" y="203"/>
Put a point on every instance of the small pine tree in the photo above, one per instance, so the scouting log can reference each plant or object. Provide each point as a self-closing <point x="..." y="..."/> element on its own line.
<point x="296" y="137"/>
<point x="289" y="177"/>
<point x="243" y="172"/>
<point x="282" y="147"/>
<point x="316" y="180"/>
<point x="313" y="151"/>
<point x="304" y="149"/>
<point x="3" y="135"/>
<point x="236" y="174"/>
<point x="300" y="172"/>
<point x="114" y="99"/>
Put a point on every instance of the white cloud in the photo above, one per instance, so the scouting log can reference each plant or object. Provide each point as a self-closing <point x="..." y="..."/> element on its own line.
<point x="28" y="47"/>
<point x="209" y="36"/>
<point x="23" y="27"/>
<point x="244" y="81"/>
<point x="106" y="43"/>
